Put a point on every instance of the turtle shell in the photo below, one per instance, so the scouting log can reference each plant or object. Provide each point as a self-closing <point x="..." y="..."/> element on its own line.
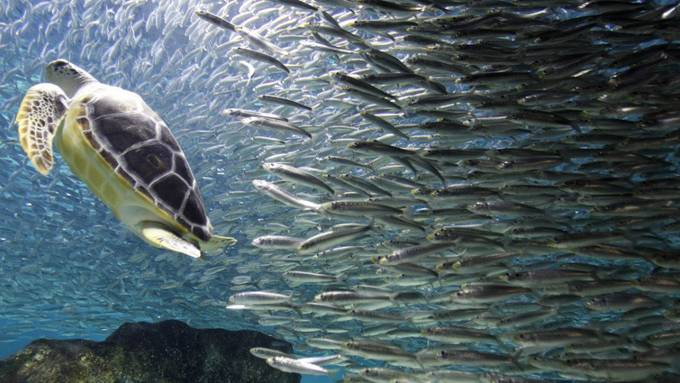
<point x="140" y="147"/>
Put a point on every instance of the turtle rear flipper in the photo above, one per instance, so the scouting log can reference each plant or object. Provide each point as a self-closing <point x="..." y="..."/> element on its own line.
<point x="217" y="243"/>
<point x="157" y="235"/>
<point x="39" y="116"/>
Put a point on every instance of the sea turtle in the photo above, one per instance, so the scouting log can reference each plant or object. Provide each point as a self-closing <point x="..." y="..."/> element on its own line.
<point x="124" y="152"/>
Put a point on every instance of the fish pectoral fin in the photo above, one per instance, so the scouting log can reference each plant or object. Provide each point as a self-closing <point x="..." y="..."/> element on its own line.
<point x="38" y="118"/>
<point x="159" y="236"/>
<point x="217" y="243"/>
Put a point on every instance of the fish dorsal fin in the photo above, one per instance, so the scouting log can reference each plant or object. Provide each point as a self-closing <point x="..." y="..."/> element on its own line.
<point x="39" y="116"/>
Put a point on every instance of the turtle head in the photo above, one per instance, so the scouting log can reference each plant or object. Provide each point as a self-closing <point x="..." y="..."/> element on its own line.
<point x="67" y="76"/>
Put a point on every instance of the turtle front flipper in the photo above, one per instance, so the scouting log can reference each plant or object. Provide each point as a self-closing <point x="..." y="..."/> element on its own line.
<point x="216" y="243"/>
<point x="159" y="236"/>
<point x="39" y="115"/>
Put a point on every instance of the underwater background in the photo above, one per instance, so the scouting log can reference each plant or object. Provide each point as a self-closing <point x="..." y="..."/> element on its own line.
<point x="562" y="163"/>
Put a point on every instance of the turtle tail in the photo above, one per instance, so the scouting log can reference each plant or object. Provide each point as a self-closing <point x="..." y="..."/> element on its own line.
<point x="216" y="243"/>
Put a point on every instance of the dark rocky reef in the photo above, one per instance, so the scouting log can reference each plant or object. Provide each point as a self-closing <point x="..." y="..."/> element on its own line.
<point x="164" y="352"/>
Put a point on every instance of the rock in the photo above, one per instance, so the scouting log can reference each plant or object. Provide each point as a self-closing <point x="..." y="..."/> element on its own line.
<point x="164" y="352"/>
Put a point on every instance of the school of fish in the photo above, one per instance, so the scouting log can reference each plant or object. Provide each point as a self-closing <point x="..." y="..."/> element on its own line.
<point x="427" y="191"/>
